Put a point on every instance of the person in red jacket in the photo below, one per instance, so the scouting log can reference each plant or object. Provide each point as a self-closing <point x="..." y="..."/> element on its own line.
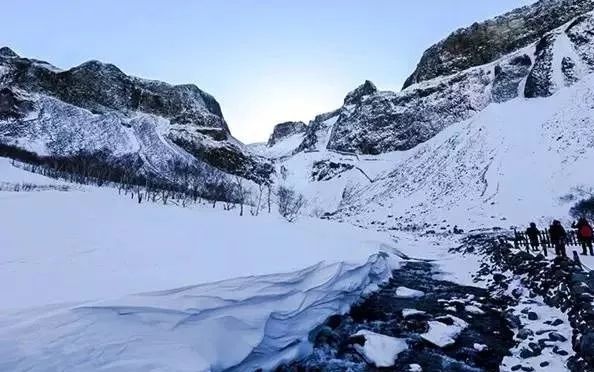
<point x="584" y="234"/>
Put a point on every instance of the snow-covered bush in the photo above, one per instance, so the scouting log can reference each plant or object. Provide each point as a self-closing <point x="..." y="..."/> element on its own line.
<point x="583" y="208"/>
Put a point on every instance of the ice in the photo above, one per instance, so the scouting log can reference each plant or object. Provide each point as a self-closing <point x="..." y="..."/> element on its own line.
<point x="380" y="350"/>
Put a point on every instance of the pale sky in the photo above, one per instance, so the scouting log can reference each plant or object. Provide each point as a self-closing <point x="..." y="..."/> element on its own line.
<point x="265" y="61"/>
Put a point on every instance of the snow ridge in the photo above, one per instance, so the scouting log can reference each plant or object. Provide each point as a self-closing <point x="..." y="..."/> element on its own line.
<point x="266" y="318"/>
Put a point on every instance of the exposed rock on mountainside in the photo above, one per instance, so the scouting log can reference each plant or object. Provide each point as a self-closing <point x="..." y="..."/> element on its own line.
<point x="326" y="170"/>
<point x="358" y="94"/>
<point x="457" y="148"/>
<point x="96" y="107"/>
<point x="372" y="122"/>
<point x="487" y="41"/>
<point x="318" y="132"/>
<point x="284" y="130"/>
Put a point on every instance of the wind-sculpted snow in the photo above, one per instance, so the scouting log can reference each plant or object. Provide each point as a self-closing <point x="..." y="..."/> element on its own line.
<point x="239" y="324"/>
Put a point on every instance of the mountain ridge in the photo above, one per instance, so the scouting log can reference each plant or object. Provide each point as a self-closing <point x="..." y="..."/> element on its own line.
<point x="382" y="121"/>
<point x="96" y="107"/>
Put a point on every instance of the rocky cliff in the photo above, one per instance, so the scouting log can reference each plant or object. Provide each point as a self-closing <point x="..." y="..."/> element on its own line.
<point x="284" y="130"/>
<point x="374" y="122"/>
<point x="487" y="41"/>
<point x="96" y="107"/>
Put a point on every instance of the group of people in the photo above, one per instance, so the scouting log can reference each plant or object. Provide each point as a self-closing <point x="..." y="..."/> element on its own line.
<point x="558" y="237"/>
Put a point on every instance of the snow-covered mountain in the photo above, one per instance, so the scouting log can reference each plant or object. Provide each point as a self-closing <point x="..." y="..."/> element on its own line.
<point x="372" y="122"/>
<point x="495" y="144"/>
<point x="488" y="41"/>
<point x="479" y="138"/>
<point x="95" y="107"/>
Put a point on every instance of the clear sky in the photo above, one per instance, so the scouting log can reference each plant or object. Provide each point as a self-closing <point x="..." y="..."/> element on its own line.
<point x="265" y="61"/>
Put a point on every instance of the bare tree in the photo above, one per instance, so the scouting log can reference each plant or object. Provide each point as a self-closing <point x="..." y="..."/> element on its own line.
<point x="259" y="201"/>
<point x="241" y="193"/>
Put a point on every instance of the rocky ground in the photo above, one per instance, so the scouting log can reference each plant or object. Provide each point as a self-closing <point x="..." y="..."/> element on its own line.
<point x="525" y="314"/>
<point x="444" y="326"/>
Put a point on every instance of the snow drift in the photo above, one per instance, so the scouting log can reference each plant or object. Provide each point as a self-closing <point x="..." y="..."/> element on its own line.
<point x="242" y="324"/>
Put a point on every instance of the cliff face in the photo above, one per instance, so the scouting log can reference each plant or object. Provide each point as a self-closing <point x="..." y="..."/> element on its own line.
<point x="284" y="130"/>
<point x="487" y="41"/>
<point x="374" y="122"/>
<point x="96" y="107"/>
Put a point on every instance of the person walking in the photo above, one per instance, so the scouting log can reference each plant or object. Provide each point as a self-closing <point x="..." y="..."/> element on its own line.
<point x="532" y="232"/>
<point x="584" y="234"/>
<point x="558" y="237"/>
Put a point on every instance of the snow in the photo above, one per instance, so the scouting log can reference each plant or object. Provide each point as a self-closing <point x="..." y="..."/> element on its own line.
<point x="74" y="278"/>
<point x="141" y="245"/>
<point x="265" y="319"/>
<point x="479" y="347"/>
<point x="545" y="313"/>
<point x="435" y="248"/>
<point x="473" y="173"/>
<point x="411" y="312"/>
<point x="472" y="309"/>
<point x="380" y="350"/>
<point x="403" y="292"/>
<point x="442" y="335"/>
<point x="280" y="149"/>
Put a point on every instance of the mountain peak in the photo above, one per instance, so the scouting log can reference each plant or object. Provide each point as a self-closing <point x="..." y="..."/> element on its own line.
<point x="365" y="89"/>
<point x="286" y="129"/>
<point x="7" y="52"/>
<point x="488" y="41"/>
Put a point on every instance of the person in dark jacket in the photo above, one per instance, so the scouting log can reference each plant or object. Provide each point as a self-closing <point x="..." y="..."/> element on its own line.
<point x="558" y="237"/>
<point x="533" y="233"/>
<point x="584" y="235"/>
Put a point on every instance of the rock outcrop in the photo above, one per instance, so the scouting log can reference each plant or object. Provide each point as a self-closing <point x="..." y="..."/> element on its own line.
<point x="284" y="130"/>
<point x="488" y="41"/>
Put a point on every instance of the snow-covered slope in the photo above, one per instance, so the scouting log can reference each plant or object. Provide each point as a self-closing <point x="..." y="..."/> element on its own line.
<point x="511" y="163"/>
<point x="92" y="248"/>
<point x="95" y="107"/>
<point x="504" y="143"/>
<point x="94" y="231"/>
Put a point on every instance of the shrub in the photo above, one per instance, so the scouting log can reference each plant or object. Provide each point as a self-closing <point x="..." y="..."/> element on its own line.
<point x="289" y="203"/>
